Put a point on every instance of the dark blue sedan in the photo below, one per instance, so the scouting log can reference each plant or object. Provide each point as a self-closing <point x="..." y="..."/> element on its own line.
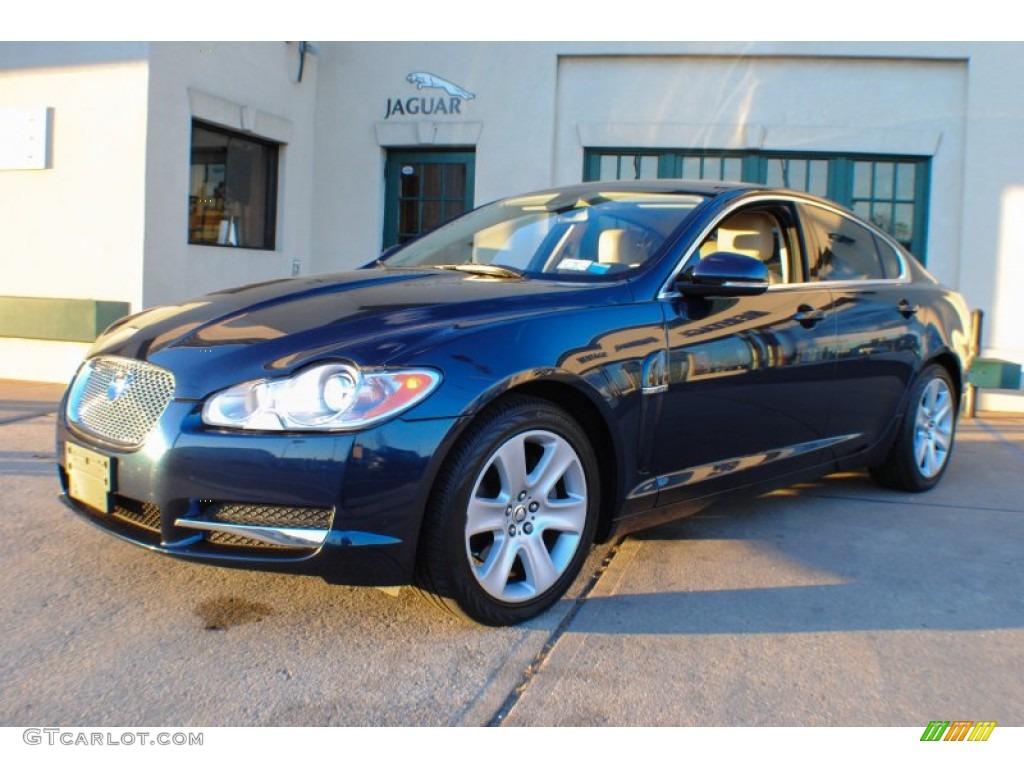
<point x="475" y="408"/>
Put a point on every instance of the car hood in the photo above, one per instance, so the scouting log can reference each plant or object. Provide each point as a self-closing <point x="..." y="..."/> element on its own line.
<point x="369" y="316"/>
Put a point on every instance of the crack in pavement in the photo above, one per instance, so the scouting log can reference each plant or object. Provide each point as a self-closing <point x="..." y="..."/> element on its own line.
<point x="534" y="667"/>
<point x="27" y="416"/>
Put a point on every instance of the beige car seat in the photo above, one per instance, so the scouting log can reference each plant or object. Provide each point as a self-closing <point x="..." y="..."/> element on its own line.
<point x="751" y="233"/>
<point x="620" y="246"/>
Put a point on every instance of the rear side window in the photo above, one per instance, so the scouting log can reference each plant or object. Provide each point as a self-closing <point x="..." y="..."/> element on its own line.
<point x="891" y="262"/>
<point x="841" y="249"/>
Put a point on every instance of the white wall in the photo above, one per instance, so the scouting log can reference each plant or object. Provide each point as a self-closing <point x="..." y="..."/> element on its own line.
<point x="245" y="87"/>
<point x="75" y="228"/>
<point x="991" y="270"/>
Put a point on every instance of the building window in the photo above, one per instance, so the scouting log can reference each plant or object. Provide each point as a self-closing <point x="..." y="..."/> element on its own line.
<point x="233" y="189"/>
<point x="626" y="166"/>
<point x="805" y="174"/>
<point x="708" y="165"/>
<point x="891" y="192"/>
<point x="885" y="193"/>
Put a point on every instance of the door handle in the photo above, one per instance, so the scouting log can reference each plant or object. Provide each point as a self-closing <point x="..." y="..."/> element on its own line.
<point x="906" y="308"/>
<point x="807" y="315"/>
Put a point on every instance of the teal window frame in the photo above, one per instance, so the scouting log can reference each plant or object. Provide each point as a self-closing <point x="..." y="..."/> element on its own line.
<point x="755" y="166"/>
<point x="396" y="158"/>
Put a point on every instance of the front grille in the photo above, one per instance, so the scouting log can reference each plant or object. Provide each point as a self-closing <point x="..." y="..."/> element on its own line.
<point x="140" y="513"/>
<point x="269" y="515"/>
<point x="119" y="399"/>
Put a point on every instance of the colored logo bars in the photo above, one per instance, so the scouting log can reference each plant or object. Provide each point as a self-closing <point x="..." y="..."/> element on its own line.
<point x="958" y="730"/>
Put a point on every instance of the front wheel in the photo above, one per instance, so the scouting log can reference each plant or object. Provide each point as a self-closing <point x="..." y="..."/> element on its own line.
<point x="920" y="455"/>
<point x="513" y="514"/>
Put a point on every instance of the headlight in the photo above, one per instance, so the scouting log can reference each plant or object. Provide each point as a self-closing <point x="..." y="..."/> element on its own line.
<point x="326" y="397"/>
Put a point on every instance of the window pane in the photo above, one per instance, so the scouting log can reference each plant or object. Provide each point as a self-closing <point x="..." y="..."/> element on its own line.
<point x="453" y="208"/>
<point x="712" y="169"/>
<point x="732" y="169"/>
<point x="648" y="167"/>
<point x="818" y="183"/>
<point x="881" y="216"/>
<point x="431" y="214"/>
<point x="905" y="178"/>
<point x="862" y="179"/>
<point x="903" y="225"/>
<point x="609" y="168"/>
<point x="797" y="175"/>
<point x="691" y="167"/>
<point x="410" y="184"/>
<point x="233" y="188"/>
<point x="432" y="179"/>
<point x="883" y="180"/>
<point x="455" y="180"/>
<point x="409" y="217"/>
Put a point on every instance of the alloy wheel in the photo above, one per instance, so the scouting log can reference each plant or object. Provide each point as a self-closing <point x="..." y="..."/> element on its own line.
<point x="933" y="428"/>
<point x="526" y="515"/>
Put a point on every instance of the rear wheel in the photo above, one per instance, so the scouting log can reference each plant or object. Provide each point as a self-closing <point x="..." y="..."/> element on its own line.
<point x="920" y="455"/>
<point x="513" y="514"/>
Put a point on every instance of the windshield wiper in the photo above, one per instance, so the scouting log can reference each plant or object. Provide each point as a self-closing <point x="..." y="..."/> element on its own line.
<point x="490" y="270"/>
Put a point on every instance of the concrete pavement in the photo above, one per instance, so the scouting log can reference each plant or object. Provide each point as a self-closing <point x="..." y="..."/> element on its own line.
<point x="829" y="603"/>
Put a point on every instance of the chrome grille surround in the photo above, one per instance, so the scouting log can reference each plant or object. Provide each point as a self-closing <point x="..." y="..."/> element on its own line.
<point x="119" y="399"/>
<point x="261" y="525"/>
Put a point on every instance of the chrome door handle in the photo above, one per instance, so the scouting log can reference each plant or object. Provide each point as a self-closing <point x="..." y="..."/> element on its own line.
<point x="808" y="316"/>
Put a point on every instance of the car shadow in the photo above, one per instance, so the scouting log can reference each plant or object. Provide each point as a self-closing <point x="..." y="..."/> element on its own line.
<point x="835" y="555"/>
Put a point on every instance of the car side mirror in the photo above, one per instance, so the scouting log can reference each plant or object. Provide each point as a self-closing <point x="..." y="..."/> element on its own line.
<point x="724" y="273"/>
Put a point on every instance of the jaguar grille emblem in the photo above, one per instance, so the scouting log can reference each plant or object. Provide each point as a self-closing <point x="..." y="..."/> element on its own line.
<point x="118" y="385"/>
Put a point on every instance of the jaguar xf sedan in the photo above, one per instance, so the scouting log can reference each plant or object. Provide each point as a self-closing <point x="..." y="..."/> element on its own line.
<point x="471" y="411"/>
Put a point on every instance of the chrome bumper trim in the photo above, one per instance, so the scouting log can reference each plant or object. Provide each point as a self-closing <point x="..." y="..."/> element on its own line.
<point x="289" y="537"/>
<point x="724" y="467"/>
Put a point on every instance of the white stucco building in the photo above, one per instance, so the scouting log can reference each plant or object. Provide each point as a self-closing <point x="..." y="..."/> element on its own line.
<point x="135" y="174"/>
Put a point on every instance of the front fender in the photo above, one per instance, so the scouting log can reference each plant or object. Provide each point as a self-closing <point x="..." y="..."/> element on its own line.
<point x="587" y="361"/>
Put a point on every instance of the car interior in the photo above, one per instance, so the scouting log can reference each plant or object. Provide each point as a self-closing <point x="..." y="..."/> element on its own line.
<point x="751" y="233"/>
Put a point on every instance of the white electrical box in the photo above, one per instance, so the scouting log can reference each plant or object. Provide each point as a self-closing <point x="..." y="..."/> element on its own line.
<point x="24" y="138"/>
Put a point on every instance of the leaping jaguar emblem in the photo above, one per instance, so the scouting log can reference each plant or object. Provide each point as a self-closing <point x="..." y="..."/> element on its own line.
<point x="118" y="385"/>
<point x="426" y="80"/>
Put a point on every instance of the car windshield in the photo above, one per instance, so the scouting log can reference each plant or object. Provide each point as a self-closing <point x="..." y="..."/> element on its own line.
<point x="575" y="236"/>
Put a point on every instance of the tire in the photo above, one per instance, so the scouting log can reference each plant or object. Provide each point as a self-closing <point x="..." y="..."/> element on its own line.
<point x="512" y="515"/>
<point x="924" y="444"/>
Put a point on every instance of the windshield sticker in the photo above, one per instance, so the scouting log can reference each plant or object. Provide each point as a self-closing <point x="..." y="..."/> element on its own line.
<point x="575" y="265"/>
<point x="597" y="268"/>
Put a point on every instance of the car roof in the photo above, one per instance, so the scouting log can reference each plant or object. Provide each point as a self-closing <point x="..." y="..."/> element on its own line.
<point x="706" y="188"/>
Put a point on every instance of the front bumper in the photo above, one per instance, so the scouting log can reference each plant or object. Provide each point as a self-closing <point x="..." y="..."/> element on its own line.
<point x="344" y="506"/>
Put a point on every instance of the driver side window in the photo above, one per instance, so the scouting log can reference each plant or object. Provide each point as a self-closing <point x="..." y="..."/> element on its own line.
<point x="756" y="233"/>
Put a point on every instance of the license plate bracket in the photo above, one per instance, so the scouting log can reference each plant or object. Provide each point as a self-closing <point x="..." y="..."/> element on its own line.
<point x="90" y="477"/>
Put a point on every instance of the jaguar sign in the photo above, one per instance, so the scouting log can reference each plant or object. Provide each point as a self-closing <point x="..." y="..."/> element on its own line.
<point x="449" y="104"/>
